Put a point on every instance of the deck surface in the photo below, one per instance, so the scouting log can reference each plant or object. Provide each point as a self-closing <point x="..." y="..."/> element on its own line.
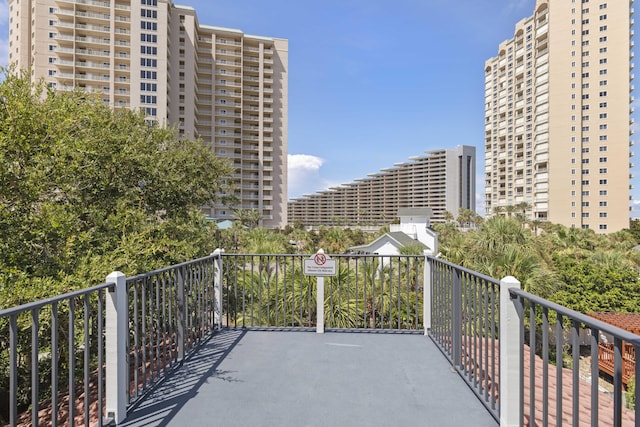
<point x="304" y="379"/>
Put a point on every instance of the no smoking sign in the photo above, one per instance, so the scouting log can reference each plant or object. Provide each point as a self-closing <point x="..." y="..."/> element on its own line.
<point x="319" y="264"/>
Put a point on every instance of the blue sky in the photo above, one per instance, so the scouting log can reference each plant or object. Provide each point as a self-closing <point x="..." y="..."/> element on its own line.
<point x="373" y="82"/>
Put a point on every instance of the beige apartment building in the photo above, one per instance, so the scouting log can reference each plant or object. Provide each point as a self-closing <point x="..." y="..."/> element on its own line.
<point x="557" y="115"/>
<point x="219" y="84"/>
<point x="443" y="180"/>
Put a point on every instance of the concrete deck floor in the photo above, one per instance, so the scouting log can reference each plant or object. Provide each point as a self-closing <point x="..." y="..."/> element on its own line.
<point x="266" y="378"/>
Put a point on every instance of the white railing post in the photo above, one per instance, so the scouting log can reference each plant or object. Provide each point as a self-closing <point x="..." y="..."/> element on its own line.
<point x="426" y="293"/>
<point x="510" y="349"/>
<point x="116" y="336"/>
<point x="181" y="313"/>
<point x="217" y="289"/>
<point x="320" y="305"/>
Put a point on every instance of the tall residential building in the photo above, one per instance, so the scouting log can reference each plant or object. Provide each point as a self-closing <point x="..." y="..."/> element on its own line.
<point x="219" y="84"/>
<point x="443" y="180"/>
<point x="557" y="115"/>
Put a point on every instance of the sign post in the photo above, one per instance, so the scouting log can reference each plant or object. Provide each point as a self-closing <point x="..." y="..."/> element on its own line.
<point x="320" y="265"/>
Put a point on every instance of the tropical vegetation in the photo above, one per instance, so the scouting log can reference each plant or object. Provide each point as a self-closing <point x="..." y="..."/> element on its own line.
<point x="574" y="267"/>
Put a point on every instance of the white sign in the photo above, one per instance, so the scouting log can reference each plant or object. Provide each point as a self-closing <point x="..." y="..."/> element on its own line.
<point x="320" y="264"/>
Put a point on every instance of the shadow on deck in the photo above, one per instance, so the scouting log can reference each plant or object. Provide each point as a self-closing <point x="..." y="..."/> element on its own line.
<point x="267" y="378"/>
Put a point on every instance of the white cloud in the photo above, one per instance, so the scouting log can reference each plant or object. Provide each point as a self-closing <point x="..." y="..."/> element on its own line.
<point x="304" y="175"/>
<point x="304" y="162"/>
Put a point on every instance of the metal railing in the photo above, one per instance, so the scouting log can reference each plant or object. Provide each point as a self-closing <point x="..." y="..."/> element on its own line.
<point x="562" y="377"/>
<point x="465" y="318"/>
<point x="368" y="292"/>
<point x="171" y="311"/>
<point x="530" y="361"/>
<point x="90" y="355"/>
<point x="56" y="353"/>
<point x="95" y="353"/>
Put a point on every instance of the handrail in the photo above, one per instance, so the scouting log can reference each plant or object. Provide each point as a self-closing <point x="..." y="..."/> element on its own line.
<point x="579" y="317"/>
<point x="173" y="267"/>
<point x="41" y="303"/>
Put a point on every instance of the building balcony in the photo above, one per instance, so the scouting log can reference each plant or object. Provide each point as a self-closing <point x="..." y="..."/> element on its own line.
<point x="225" y="63"/>
<point x="226" y="52"/>
<point x="222" y="41"/>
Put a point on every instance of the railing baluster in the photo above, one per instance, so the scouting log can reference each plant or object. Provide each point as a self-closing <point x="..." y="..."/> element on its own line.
<point x="595" y="373"/>
<point x="143" y="330"/>
<point x="54" y="363"/>
<point x="136" y="332"/>
<point x="532" y="361"/>
<point x="87" y="359"/>
<point x="35" y="329"/>
<point x="166" y="360"/>
<point x="13" y="370"/>
<point x="545" y="366"/>
<point x="235" y="290"/>
<point x="72" y="361"/>
<point x="356" y="268"/>
<point x="559" y="361"/>
<point x="575" y="351"/>
<point x="254" y="288"/>
<point x="399" y="293"/>
<point x="156" y="328"/>
<point x="100" y="343"/>
<point x="617" y="382"/>
<point x="456" y="324"/>
<point x="520" y="308"/>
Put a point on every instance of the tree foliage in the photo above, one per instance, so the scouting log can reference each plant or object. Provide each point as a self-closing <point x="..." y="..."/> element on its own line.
<point x="576" y="268"/>
<point x="85" y="189"/>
